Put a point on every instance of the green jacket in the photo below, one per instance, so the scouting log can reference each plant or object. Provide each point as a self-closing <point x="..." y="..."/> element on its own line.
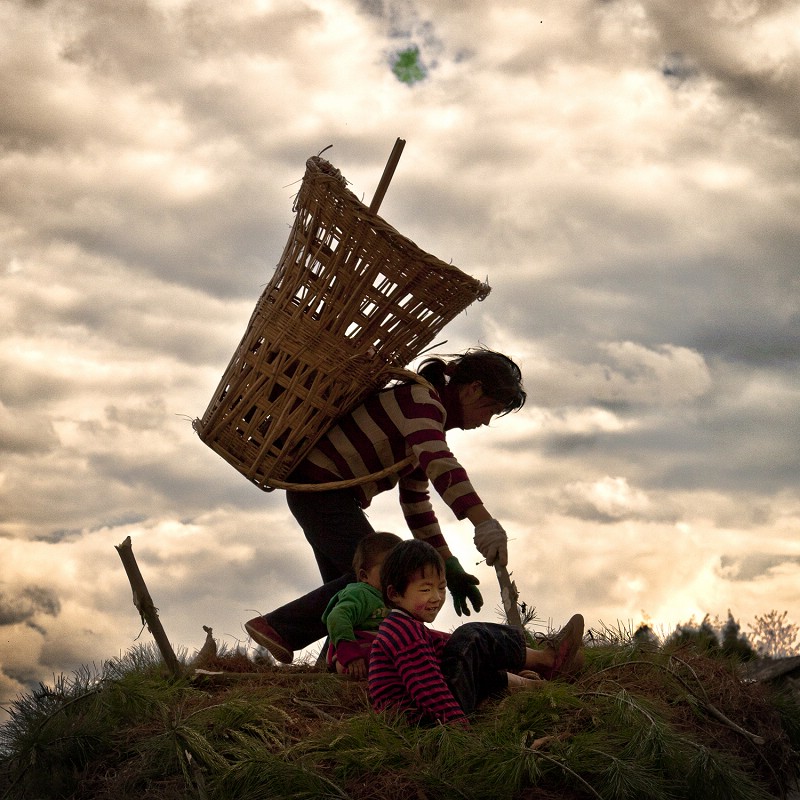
<point x="358" y="606"/>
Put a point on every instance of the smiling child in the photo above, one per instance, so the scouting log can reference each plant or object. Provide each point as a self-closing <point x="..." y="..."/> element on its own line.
<point x="437" y="677"/>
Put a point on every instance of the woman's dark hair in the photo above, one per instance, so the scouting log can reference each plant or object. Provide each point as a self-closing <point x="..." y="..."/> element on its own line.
<point x="499" y="376"/>
<point x="371" y="547"/>
<point x="408" y="558"/>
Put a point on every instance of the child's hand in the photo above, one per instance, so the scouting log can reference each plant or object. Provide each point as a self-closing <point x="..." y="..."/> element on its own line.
<point x="357" y="669"/>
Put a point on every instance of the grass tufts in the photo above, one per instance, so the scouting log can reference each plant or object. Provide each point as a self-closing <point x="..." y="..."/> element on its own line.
<point x="640" y="722"/>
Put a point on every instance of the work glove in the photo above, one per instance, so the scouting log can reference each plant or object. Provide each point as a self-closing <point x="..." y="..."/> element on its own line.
<point x="462" y="586"/>
<point x="492" y="542"/>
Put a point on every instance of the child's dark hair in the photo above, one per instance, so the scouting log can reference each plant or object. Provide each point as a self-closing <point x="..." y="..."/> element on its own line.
<point x="372" y="546"/>
<point x="408" y="558"/>
<point x="499" y="376"/>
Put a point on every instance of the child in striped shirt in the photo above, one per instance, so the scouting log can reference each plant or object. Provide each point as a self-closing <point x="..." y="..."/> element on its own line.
<point x="441" y="678"/>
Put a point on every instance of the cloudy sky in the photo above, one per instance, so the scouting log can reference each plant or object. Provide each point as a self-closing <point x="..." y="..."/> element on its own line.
<point x="627" y="176"/>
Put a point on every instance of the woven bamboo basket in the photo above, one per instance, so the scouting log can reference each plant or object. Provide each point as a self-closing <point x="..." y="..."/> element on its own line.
<point x="351" y="303"/>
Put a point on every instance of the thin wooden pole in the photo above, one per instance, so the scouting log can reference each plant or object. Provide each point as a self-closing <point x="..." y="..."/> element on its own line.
<point x="386" y="178"/>
<point x="509" y="596"/>
<point x="147" y="610"/>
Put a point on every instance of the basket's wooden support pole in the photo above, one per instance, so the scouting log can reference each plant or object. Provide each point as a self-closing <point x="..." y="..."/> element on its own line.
<point x="509" y="595"/>
<point x="386" y="178"/>
<point x="146" y="608"/>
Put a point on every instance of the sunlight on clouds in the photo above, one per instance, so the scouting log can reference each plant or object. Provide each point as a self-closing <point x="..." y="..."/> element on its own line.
<point x="177" y="178"/>
<point x="611" y="497"/>
<point x="171" y="540"/>
<point x="70" y="360"/>
<point x="14" y="266"/>
<point x="621" y="569"/>
<point x="651" y="376"/>
<point x="534" y="422"/>
<point x="774" y="41"/>
<point x="719" y="177"/>
<point x="735" y="11"/>
<point x="577" y="421"/>
<point x="672" y="373"/>
<point x="179" y="562"/>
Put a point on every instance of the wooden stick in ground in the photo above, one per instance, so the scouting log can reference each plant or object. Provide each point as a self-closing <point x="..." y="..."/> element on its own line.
<point x="386" y="178"/>
<point x="509" y="596"/>
<point x="146" y="608"/>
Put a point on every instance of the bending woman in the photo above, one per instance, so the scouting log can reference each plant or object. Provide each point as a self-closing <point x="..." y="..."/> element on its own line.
<point x="408" y="419"/>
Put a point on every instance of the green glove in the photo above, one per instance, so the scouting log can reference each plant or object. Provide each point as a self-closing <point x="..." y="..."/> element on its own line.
<point x="462" y="586"/>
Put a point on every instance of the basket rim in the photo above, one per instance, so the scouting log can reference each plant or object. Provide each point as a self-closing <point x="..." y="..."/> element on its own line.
<point x="319" y="168"/>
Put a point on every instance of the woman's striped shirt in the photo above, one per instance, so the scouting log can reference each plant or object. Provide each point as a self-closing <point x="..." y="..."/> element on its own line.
<point x="405" y="420"/>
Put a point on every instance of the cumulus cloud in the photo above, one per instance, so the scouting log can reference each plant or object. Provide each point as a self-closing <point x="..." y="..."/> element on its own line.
<point x="749" y="49"/>
<point x="607" y="499"/>
<point x="27" y="602"/>
<point x="627" y="374"/>
<point x="624" y="175"/>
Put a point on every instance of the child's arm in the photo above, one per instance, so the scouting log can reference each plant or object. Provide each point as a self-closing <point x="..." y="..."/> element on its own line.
<point x="352" y="610"/>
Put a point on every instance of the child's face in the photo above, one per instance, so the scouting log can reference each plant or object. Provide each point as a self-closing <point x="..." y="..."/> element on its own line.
<point x="424" y="596"/>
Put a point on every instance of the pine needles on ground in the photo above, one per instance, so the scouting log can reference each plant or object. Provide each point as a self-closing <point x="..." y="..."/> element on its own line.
<point x="641" y="722"/>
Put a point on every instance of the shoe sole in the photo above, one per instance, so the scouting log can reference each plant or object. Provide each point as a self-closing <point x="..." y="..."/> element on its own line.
<point x="278" y="651"/>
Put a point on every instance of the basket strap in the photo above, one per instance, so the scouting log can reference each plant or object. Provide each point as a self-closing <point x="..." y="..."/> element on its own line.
<point x="343" y="484"/>
<point x="399" y="373"/>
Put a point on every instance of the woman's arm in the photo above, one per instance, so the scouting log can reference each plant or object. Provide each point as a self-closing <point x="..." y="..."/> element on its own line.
<point x="478" y="514"/>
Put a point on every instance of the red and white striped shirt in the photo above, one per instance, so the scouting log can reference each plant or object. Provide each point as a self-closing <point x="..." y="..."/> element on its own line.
<point x="404" y="420"/>
<point x="405" y="672"/>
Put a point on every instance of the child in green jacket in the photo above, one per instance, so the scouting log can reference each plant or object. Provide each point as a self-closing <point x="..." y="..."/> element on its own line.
<point x="355" y="613"/>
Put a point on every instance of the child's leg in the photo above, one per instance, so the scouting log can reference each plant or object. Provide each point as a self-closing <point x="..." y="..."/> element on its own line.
<point x="516" y="681"/>
<point x="477" y="659"/>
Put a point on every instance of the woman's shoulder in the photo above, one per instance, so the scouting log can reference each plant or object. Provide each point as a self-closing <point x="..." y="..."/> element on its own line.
<point x="413" y="397"/>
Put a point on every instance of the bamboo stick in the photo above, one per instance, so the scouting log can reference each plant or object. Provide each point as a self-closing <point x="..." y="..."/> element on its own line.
<point x="386" y="178"/>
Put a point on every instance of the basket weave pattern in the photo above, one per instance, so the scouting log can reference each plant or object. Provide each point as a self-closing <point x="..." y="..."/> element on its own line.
<point x="350" y="302"/>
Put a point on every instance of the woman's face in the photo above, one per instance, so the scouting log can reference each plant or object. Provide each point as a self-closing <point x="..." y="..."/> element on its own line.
<point x="477" y="409"/>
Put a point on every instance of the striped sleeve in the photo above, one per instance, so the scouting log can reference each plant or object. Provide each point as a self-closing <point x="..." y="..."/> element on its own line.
<point x="405" y="673"/>
<point x="424" y="432"/>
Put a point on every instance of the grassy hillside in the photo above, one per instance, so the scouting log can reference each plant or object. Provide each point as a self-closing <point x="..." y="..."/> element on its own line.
<point x="642" y="722"/>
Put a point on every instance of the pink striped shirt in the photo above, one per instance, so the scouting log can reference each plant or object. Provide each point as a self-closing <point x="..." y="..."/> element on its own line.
<point x="405" y="420"/>
<point x="405" y="672"/>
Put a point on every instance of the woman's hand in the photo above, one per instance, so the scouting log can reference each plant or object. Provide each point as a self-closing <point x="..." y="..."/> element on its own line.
<point x="462" y="586"/>
<point x="492" y="542"/>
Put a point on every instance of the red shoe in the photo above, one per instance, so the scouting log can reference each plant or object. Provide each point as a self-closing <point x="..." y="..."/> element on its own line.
<point x="264" y="634"/>
<point x="567" y="645"/>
